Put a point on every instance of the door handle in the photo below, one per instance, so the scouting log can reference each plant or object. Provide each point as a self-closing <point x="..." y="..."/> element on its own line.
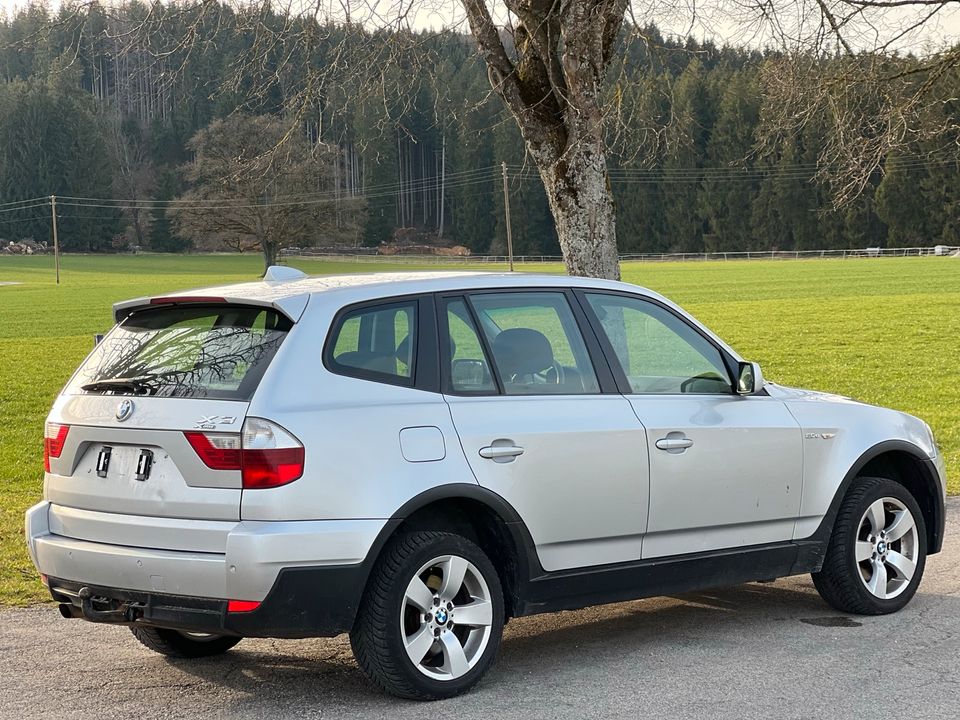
<point x="500" y="452"/>
<point x="674" y="443"/>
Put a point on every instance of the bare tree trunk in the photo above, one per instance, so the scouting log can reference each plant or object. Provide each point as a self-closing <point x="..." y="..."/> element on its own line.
<point x="578" y="191"/>
<point x="553" y="90"/>
<point x="270" y="251"/>
<point x="138" y="228"/>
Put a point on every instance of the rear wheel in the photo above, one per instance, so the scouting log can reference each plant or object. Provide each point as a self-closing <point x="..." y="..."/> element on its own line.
<point x="183" y="644"/>
<point x="878" y="550"/>
<point x="430" y="622"/>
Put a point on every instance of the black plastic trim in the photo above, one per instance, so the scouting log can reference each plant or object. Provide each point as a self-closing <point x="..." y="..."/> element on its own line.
<point x="527" y="561"/>
<point x="427" y="357"/>
<point x="574" y="589"/>
<point x="127" y="607"/>
<point x="306" y="602"/>
<point x="540" y="591"/>
<point x="935" y="541"/>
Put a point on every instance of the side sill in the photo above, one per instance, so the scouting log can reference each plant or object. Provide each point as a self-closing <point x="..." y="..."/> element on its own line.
<point x="575" y="589"/>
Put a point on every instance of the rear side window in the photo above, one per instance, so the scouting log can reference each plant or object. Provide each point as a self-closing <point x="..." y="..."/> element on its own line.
<point x="188" y="351"/>
<point x="375" y="343"/>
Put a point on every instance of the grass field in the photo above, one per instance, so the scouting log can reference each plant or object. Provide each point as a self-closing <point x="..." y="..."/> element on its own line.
<point x="883" y="330"/>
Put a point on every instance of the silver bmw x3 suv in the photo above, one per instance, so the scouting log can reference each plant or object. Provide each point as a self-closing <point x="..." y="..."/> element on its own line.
<point x="415" y="459"/>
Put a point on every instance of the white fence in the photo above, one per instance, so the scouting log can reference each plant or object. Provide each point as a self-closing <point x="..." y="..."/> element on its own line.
<point x="938" y="250"/>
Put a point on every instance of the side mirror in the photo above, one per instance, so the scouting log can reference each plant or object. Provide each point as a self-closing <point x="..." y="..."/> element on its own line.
<point x="749" y="378"/>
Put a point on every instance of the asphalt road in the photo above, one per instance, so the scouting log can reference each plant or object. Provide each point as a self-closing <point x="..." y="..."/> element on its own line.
<point x="753" y="651"/>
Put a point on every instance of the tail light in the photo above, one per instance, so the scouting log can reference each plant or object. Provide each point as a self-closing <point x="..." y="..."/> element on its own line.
<point x="265" y="454"/>
<point x="242" y="606"/>
<point x="54" y="437"/>
<point x="219" y="451"/>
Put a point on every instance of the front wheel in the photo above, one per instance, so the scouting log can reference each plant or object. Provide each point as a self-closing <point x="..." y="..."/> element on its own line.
<point x="182" y="644"/>
<point x="430" y="622"/>
<point x="877" y="552"/>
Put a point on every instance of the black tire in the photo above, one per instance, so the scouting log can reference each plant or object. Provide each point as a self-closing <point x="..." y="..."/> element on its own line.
<point x="174" y="643"/>
<point x="840" y="582"/>
<point x="377" y="637"/>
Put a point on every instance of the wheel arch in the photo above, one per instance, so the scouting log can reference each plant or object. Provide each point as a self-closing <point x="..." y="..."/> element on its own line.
<point x="484" y="518"/>
<point x="908" y="465"/>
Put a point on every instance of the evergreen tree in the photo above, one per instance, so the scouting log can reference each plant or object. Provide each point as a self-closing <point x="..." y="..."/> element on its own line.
<point x="687" y="141"/>
<point x="52" y="146"/>
<point x="900" y="205"/>
<point x="729" y="190"/>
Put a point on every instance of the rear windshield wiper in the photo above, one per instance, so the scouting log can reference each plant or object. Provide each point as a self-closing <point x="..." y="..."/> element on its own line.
<point x="138" y="387"/>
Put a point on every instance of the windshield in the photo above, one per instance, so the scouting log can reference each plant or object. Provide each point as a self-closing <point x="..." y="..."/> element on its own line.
<point x="207" y="351"/>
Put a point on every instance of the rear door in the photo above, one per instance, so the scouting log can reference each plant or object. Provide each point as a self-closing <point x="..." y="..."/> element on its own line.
<point x="127" y="417"/>
<point x="725" y="470"/>
<point x="526" y="390"/>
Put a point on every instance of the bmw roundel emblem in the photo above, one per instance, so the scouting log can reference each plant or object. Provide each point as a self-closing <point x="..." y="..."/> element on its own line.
<point x="124" y="410"/>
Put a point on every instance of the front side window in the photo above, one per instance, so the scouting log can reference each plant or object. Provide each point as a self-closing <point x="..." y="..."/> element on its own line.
<point x="535" y="342"/>
<point x="658" y="352"/>
<point x="376" y="343"/>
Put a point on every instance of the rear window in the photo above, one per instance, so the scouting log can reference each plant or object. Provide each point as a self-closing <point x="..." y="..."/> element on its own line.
<point x="188" y="352"/>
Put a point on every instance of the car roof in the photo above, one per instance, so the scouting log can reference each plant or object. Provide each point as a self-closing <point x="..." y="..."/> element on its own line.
<point x="290" y="296"/>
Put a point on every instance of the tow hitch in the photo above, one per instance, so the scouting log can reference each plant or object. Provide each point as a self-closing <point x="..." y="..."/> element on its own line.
<point x="108" y="610"/>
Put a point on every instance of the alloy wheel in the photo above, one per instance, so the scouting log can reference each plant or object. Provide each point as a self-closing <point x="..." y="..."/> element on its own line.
<point x="446" y="617"/>
<point x="887" y="548"/>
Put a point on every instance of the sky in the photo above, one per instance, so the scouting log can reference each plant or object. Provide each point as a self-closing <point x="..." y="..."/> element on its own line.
<point x="715" y="19"/>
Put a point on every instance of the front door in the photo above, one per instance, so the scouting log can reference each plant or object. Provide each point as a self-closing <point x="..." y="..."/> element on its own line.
<point x="526" y="400"/>
<point x="725" y="469"/>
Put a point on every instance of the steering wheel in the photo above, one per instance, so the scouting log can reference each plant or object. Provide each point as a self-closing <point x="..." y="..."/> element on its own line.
<point x="702" y="376"/>
<point x="551" y="375"/>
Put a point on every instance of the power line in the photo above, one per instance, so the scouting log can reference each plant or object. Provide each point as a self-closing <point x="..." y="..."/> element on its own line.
<point x="45" y="203"/>
<point x="17" y="202"/>
<point x="420" y="185"/>
<point x="247" y="205"/>
<point x="25" y="220"/>
<point x="467" y="178"/>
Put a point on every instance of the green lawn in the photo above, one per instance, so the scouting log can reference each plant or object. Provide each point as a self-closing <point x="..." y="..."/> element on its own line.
<point x="883" y="330"/>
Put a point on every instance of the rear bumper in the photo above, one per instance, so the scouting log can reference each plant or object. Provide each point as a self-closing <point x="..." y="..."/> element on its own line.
<point x="304" y="602"/>
<point x="308" y="576"/>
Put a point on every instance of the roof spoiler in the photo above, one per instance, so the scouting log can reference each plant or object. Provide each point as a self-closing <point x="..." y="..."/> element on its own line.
<point x="290" y="307"/>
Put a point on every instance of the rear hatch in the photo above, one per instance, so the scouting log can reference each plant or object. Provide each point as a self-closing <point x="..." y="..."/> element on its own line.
<point x="118" y="437"/>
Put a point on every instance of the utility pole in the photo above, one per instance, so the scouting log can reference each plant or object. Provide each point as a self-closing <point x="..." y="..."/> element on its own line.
<point x="443" y="179"/>
<point x="506" y="210"/>
<point x="56" y="241"/>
